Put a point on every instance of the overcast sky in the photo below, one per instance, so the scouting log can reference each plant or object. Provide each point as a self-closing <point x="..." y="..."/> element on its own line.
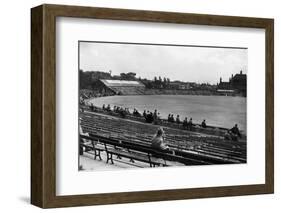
<point x="185" y="63"/>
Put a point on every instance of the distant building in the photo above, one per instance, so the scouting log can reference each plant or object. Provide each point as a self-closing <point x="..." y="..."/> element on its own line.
<point x="236" y="85"/>
<point x="180" y="85"/>
<point x="95" y="75"/>
<point x="118" y="87"/>
<point x="239" y="82"/>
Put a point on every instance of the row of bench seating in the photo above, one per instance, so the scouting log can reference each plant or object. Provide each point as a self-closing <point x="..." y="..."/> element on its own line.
<point x="146" y="154"/>
<point x="133" y="152"/>
<point x="99" y="124"/>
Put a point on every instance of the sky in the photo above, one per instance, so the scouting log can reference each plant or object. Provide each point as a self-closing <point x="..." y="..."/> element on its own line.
<point x="184" y="63"/>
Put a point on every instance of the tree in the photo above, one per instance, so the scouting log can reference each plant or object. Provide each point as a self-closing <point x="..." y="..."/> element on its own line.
<point x="128" y="76"/>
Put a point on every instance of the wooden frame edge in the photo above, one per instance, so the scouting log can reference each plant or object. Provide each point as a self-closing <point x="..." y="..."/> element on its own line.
<point x="269" y="118"/>
<point x="36" y="106"/>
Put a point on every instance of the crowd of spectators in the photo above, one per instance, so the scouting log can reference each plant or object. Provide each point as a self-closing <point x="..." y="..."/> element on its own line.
<point x="154" y="117"/>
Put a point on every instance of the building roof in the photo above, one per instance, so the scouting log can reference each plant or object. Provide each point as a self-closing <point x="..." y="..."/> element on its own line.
<point x="240" y="77"/>
<point x="121" y="83"/>
<point x="224" y="84"/>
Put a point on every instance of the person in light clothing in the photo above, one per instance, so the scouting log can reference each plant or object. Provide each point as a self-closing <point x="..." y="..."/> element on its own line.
<point x="158" y="140"/>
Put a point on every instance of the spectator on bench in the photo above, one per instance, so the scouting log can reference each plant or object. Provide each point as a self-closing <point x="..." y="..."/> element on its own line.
<point x="185" y="123"/>
<point x="169" y="117"/>
<point x="155" y="117"/>
<point x="92" y="107"/>
<point x="233" y="134"/>
<point x="149" y="117"/>
<point x="108" y="107"/>
<point x="144" y="114"/>
<point x="190" y="124"/>
<point x="178" y="119"/>
<point x="158" y="140"/>
<point x="203" y="124"/>
<point x="235" y="131"/>
<point x="172" y="119"/>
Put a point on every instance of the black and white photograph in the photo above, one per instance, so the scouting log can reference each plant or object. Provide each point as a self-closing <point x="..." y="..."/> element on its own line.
<point x="148" y="105"/>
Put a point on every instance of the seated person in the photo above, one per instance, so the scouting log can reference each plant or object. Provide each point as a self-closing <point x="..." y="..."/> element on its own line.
<point x="137" y="113"/>
<point x="189" y="124"/>
<point x="108" y="107"/>
<point x="185" y="123"/>
<point x="158" y="140"/>
<point x="178" y="119"/>
<point x="149" y="118"/>
<point x="169" y="117"/>
<point x="235" y="131"/>
<point x="203" y="124"/>
<point x="144" y="114"/>
<point x="172" y="118"/>
<point x="92" y="107"/>
<point x="155" y="114"/>
<point x="122" y="112"/>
